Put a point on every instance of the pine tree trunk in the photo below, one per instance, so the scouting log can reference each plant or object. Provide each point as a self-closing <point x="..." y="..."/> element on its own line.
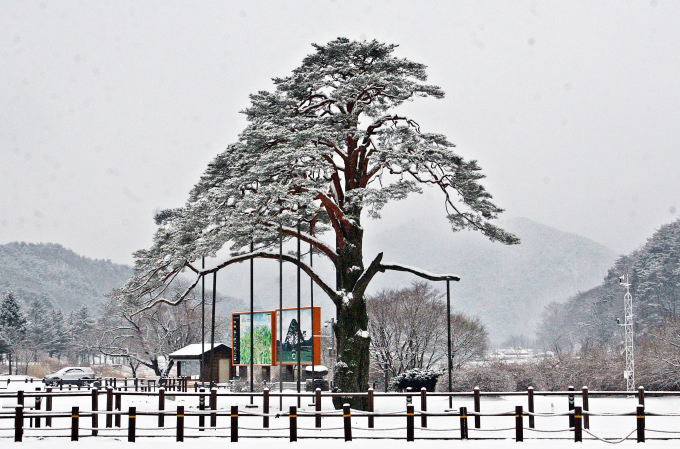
<point x="351" y="372"/>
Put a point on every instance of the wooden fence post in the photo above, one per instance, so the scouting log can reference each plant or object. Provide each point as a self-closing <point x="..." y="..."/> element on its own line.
<point x="95" y="409"/>
<point x="293" y="423"/>
<point x="213" y="407"/>
<point x="410" y="418"/>
<point x="38" y="401"/>
<point x="19" y="423"/>
<point x="640" y="423"/>
<point x="463" y="423"/>
<point x="478" y="407"/>
<point x="519" y="424"/>
<point x="571" y="406"/>
<point x="75" y="414"/>
<point x="109" y="407"/>
<point x="201" y="408"/>
<point x="234" y="423"/>
<point x="530" y="400"/>
<point x="119" y="405"/>
<point x="265" y="408"/>
<point x="586" y="417"/>
<point x="641" y="395"/>
<point x="371" y="409"/>
<point x="423" y="407"/>
<point x="347" y="421"/>
<point x="180" y="423"/>
<point x="48" y="406"/>
<point x="161" y="407"/>
<point x="136" y="384"/>
<point x="578" y="424"/>
<point x="20" y="397"/>
<point x="132" y="423"/>
<point x="317" y="406"/>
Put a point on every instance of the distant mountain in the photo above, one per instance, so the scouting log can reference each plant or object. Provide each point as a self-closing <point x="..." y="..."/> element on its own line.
<point x="50" y="271"/>
<point x="506" y="286"/>
<point x="591" y="316"/>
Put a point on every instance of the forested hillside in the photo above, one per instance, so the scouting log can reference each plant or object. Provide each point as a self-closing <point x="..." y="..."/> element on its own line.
<point x="506" y="287"/>
<point x="48" y="271"/>
<point x="590" y="317"/>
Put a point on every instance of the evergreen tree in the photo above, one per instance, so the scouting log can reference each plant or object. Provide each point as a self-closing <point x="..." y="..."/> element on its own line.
<point x="80" y="329"/>
<point x="323" y="148"/>
<point x="12" y="326"/>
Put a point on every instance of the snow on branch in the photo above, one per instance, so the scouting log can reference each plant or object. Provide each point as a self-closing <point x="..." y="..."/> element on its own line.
<point x="259" y="254"/>
<point x="419" y="272"/>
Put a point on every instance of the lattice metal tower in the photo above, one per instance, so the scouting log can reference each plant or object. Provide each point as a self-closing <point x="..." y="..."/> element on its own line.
<point x="629" y="372"/>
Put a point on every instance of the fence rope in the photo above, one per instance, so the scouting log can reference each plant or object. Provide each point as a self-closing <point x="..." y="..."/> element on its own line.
<point x="549" y="431"/>
<point x="662" y="431"/>
<point x="609" y="441"/>
<point x="382" y="428"/>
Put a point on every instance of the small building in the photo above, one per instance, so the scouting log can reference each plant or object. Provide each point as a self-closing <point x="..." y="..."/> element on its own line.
<point x="188" y="360"/>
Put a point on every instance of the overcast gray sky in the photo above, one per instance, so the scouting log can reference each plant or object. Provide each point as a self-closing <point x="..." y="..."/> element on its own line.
<point x="111" y="110"/>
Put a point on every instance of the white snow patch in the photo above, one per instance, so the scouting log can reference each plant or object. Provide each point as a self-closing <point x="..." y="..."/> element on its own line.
<point x="362" y="334"/>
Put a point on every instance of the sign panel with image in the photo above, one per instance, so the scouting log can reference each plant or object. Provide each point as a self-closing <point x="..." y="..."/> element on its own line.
<point x="262" y="338"/>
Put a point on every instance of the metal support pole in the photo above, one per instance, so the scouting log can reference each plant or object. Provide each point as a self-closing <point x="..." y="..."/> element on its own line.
<point x="212" y="329"/>
<point x="298" y="348"/>
<point x="252" y="323"/>
<point x="279" y="352"/>
<point x="201" y="377"/>
<point x="448" y="337"/>
<point x="311" y="304"/>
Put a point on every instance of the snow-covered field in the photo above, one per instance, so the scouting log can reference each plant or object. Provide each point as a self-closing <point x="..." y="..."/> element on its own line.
<point x="609" y="427"/>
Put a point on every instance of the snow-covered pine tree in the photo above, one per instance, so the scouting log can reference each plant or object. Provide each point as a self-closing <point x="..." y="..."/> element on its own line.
<point x="321" y="149"/>
<point x="12" y="326"/>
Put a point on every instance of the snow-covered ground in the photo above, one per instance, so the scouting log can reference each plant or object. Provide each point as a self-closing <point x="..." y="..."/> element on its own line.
<point x="388" y="427"/>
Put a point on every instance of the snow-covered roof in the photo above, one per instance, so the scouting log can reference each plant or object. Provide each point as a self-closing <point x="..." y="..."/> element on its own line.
<point x="193" y="350"/>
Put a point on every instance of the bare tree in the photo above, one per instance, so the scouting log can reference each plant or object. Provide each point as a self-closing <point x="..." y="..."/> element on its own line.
<point x="148" y="338"/>
<point x="408" y="330"/>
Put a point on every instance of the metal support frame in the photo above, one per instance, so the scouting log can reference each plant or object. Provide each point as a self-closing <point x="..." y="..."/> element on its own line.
<point x="628" y="328"/>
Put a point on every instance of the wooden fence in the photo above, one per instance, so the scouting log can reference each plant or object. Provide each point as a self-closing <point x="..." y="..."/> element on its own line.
<point x="29" y="414"/>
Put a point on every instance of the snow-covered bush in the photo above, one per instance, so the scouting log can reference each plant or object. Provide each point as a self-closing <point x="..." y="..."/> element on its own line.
<point x="492" y="377"/>
<point x="417" y="378"/>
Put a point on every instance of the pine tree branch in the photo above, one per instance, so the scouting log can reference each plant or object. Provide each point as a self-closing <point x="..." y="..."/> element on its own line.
<point x="419" y="272"/>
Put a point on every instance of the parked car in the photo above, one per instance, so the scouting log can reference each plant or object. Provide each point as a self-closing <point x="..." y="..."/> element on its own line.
<point x="71" y="375"/>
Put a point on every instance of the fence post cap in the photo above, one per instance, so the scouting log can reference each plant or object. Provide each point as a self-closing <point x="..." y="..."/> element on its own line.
<point x="530" y="388"/>
<point x="369" y="388"/>
<point x="319" y="389"/>
<point x="476" y="388"/>
<point x="641" y="387"/>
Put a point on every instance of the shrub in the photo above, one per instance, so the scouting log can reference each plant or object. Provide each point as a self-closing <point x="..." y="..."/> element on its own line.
<point x="417" y="378"/>
<point x="492" y="377"/>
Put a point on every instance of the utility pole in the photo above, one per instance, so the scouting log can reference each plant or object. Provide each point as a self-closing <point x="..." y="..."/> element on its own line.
<point x="629" y="372"/>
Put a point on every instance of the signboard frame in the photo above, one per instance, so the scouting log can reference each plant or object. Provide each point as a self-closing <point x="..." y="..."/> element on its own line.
<point x="236" y="340"/>
<point x="236" y="337"/>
